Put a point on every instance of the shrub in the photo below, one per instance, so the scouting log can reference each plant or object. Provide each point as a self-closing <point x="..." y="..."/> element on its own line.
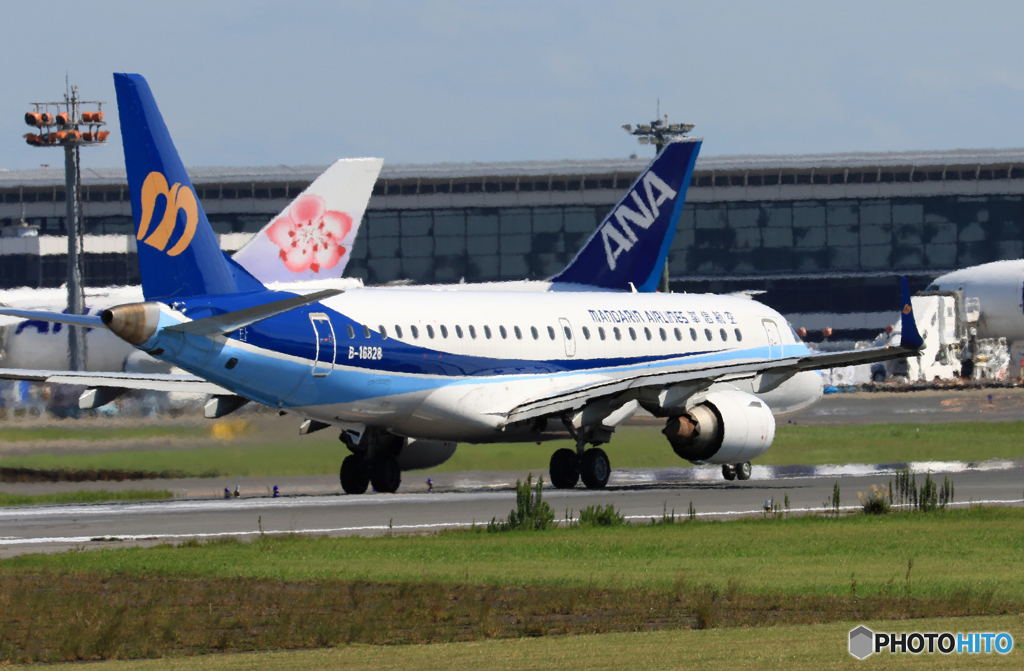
<point x="531" y="512"/>
<point x="876" y="501"/>
<point x="596" y="516"/>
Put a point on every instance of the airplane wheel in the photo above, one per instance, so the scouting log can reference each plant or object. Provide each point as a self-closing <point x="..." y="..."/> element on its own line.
<point x="385" y="475"/>
<point x="595" y="469"/>
<point x="743" y="470"/>
<point x="565" y="469"/>
<point x="354" y="479"/>
<point x="728" y="472"/>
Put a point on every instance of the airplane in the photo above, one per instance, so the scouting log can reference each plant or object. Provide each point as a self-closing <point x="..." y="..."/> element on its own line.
<point x="996" y="290"/>
<point x="338" y="197"/>
<point x="406" y="373"/>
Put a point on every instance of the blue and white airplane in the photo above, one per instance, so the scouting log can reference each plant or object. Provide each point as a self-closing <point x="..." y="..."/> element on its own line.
<point x="405" y="373"/>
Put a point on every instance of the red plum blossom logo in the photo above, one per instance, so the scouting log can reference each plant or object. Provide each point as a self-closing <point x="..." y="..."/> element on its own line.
<point x="310" y="235"/>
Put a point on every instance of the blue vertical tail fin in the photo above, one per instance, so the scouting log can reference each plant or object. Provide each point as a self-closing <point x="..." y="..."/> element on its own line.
<point x="631" y="244"/>
<point x="179" y="255"/>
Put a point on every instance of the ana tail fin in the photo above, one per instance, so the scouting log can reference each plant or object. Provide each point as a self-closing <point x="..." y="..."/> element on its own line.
<point x="334" y="205"/>
<point x="179" y="255"/>
<point x="632" y="243"/>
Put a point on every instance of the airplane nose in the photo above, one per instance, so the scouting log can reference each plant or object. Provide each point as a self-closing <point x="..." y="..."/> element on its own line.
<point x="134" y="323"/>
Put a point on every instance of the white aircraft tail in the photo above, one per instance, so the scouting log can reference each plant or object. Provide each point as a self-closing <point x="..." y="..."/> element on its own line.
<point x="313" y="237"/>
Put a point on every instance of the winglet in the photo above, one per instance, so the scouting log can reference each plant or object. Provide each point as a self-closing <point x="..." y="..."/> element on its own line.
<point x="909" y="336"/>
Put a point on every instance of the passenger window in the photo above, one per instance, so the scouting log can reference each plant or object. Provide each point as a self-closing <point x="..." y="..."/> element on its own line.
<point x="519" y="334"/>
<point x="503" y="332"/>
<point x="725" y="336"/>
<point x="383" y="332"/>
<point x="568" y="333"/>
<point x="444" y="331"/>
<point x="586" y="333"/>
<point x="458" y="331"/>
<point x="398" y="330"/>
<point x="647" y="332"/>
<point x="707" y="334"/>
<point x="632" y="333"/>
<point x="600" y="332"/>
<point x="679" y="334"/>
<point x="430" y="331"/>
<point x="366" y="330"/>
<point x="739" y="336"/>
<point x="472" y="332"/>
<point x="487" y="332"/>
<point x="415" y="332"/>
<point x="351" y="333"/>
<point x="534" y="333"/>
<point x="693" y="334"/>
<point x="618" y="334"/>
<point x="661" y="332"/>
<point x="551" y="333"/>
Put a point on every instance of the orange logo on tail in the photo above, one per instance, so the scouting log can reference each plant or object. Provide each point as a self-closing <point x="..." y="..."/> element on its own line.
<point x="907" y="309"/>
<point x="178" y="197"/>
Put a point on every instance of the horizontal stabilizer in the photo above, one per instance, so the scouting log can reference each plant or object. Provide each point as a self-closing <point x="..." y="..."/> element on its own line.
<point x="92" y="321"/>
<point x="232" y="321"/>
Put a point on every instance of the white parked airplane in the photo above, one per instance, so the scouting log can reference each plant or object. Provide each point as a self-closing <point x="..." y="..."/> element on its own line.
<point x="405" y="373"/>
<point x="996" y="291"/>
<point x="324" y="218"/>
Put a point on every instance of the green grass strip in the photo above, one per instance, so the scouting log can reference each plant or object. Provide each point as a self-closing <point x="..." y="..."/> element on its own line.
<point x="70" y="431"/>
<point x="100" y="496"/>
<point x="972" y="550"/>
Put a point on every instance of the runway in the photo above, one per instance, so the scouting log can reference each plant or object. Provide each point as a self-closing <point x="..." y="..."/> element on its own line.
<point x="650" y="494"/>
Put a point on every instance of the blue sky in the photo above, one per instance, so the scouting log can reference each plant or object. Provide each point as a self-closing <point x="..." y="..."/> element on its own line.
<point x="268" y="83"/>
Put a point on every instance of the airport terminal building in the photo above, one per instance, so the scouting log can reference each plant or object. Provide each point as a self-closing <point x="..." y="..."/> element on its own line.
<point x="824" y="236"/>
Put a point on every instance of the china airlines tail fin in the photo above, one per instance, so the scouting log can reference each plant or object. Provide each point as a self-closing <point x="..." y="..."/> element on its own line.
<point x="631" y="244"/>
<point x="179" y="255"/>
<point x="313" y="237"/>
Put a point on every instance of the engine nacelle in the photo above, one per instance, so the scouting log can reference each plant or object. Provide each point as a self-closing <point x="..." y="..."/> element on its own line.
<point x="728" y="427"/>
<point x="417" y="455"/>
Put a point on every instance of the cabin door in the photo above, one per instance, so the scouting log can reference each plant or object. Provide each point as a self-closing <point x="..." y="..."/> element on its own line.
<point x="774" y="339"/>
<point x="567" y="337"/>
<point x="326" y="349"/>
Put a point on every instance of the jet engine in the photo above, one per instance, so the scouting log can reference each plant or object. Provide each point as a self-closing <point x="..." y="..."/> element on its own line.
<point x="417" y="455"/>
<point x="727" y="427"/>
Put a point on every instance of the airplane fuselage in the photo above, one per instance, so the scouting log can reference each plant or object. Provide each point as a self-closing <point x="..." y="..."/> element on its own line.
<point x="450" y="364"/>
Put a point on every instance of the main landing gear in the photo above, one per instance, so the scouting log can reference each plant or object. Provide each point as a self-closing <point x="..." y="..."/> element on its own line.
<point x="570" y="466"/>
<point x="736" y="471"/>
<point x="374" y="460"/>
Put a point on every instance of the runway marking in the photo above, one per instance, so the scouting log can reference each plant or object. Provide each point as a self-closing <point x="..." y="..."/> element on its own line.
<point x="77" y="540"/>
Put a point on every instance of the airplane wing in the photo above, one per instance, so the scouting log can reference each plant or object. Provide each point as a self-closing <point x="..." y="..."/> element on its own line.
<point x="147" y="381"/>
<point x="634" y="383"/>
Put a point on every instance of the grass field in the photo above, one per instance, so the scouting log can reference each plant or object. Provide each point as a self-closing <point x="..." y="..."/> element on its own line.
<point x="795" y="648"/>
<point x="977" y="549"/>
<point x="631" y="447"/>
<point x="287" y="592"/>
<point x="83" y="497"/>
